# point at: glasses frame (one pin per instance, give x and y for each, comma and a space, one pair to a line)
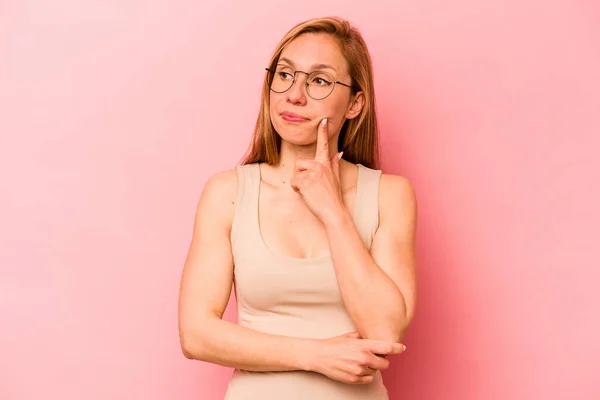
273, 71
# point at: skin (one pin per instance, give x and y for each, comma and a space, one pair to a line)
309, 196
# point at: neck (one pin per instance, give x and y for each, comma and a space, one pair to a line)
289, 153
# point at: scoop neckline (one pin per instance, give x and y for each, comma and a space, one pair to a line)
302, 260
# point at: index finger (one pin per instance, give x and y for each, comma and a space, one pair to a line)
381, 347
322, 153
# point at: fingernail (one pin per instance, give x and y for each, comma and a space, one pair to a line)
324, 121
403, 347
340, 155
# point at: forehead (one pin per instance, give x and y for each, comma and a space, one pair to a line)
309, 49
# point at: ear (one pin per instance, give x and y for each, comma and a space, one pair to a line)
356, 104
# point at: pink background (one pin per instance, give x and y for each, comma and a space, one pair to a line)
114, 113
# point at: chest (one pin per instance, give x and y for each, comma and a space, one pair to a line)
288, 227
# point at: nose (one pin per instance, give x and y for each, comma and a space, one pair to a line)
297, 93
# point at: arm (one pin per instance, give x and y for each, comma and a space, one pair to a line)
379, 288
205, 289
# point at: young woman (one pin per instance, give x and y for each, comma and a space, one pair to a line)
319, 247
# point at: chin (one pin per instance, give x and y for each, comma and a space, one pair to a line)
298, 140
297, 135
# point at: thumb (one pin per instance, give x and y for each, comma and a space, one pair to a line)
353, 335
335, 164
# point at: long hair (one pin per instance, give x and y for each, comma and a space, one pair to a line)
358, 137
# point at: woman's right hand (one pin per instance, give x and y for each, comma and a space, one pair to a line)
348, 358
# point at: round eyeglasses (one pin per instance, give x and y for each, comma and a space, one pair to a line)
319, 84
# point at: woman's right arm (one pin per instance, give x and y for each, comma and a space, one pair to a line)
206, 284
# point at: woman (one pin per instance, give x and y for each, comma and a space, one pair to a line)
320, 248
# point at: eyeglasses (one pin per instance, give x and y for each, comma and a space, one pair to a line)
319, 84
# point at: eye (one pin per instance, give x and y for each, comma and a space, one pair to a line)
284, 75
321, 80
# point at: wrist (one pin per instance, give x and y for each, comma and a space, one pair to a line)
307, 354
338, 219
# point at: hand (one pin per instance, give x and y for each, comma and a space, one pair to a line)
350, 359
318, 180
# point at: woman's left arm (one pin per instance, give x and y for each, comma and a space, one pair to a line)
379, 287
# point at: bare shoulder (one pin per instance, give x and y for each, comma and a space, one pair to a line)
222, 183
219, 196
397, 197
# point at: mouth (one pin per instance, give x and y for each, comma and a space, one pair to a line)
291, 117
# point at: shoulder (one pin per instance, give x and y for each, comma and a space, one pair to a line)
397, 197
222, 184
218, 197
396, 186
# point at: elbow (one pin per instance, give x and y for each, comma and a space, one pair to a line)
187, 349
386, 335
392, 328
191, 346
187, 352
398, 334
195, 337
394, 334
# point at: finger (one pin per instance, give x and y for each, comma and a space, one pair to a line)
335, 164
369, 371
295, 183
377, 363
350, 335
322, 153
361, 380
302, 165
356, 379
381, 347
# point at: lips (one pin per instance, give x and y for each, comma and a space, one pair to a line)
290, 116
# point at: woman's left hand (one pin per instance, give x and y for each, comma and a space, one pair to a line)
318, 180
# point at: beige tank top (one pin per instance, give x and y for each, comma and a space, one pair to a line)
297, 297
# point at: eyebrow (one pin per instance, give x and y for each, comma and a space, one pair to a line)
314, 66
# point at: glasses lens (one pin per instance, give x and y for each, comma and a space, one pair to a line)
320, 85
282, 79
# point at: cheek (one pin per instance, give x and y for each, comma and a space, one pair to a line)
272, 108
274, 103
336, 110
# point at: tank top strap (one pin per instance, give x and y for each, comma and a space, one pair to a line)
366, 208
246, 206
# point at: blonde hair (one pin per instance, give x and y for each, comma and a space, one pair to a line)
359, 136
